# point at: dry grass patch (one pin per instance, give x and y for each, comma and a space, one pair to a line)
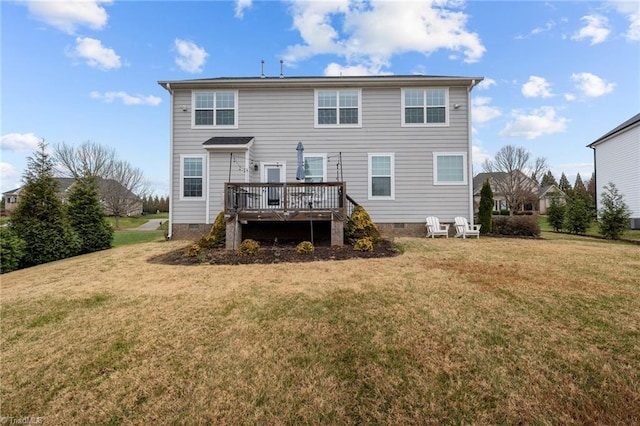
479, 331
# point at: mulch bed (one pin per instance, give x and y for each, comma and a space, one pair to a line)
275, 254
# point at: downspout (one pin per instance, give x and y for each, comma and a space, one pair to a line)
470, 153
595, 180
171, 183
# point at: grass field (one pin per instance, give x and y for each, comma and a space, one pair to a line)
489, 331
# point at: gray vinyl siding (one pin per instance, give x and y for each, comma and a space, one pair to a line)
279, 118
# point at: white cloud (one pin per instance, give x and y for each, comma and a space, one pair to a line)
479, 155
482, 111
486, 83
372, 32
536, 87
597, 29
241, 5
8, 177
19, 142
95, 54
542, 121
569, 97
631, 9
69, 14
337, 70
126, 98
191, 58
591, 85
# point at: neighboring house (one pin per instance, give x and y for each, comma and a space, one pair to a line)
400, 146
616, 159
537, 200
107, 188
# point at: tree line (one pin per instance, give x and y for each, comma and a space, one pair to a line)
42, 228
572, 210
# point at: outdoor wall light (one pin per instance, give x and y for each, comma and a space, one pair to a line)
255, 167
184, 108
456, 106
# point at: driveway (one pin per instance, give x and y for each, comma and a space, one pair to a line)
151, 225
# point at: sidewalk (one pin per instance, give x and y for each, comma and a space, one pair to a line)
151, 225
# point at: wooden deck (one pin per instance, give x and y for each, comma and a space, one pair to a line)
282, 202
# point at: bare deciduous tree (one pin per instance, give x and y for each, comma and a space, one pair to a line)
121, 185
515, 175
88, 159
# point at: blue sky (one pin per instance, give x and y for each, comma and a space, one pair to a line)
558, 74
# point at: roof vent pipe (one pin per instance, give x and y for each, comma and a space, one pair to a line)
262, 69
281, 73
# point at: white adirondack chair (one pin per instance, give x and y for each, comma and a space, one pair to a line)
463, 229
435, 228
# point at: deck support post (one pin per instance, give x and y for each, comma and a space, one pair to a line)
233, 232
337, 232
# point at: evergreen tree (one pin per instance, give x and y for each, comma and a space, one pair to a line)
86, 216
485, 209
548, 179
577, 217
564, 185
11, 250
39, 219
579, 190
555, 213
614, 214
591, 188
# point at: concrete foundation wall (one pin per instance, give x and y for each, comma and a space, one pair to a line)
388, 230
189, 231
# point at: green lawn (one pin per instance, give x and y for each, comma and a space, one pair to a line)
128, 235
593, 230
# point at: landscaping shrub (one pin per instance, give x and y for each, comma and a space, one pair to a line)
525, 226
363, 244
555, 214
485, 208
305, 247
614, 214
576, 216
217, 235
11, 250
249, 247
194, 250
360, 225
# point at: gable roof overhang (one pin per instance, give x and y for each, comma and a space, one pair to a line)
319, 82
228, 143
632, 122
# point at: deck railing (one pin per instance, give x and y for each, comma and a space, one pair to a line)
264, 197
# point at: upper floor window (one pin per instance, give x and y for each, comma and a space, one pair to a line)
449, 168
215, 109
381, 176
425, 107
338, 108
315, 168
192, 176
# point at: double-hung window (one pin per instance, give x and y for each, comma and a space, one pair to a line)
192, 169
449, 168
381, 176
338, 108
425, 107
315, 168
215, 109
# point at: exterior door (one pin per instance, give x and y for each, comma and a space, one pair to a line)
274, 173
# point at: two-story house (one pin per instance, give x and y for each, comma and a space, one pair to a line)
400, 146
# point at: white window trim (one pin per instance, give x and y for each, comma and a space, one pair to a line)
324, 163
282, 165
205, 168
424, 89
393, 176
215, 126
465, 178
336, 126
